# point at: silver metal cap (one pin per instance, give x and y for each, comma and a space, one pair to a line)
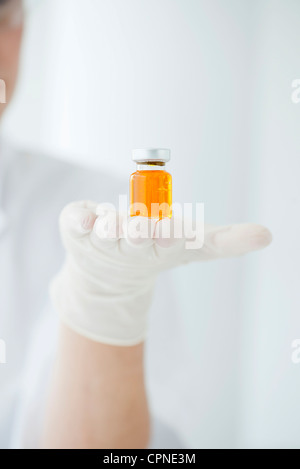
141, 155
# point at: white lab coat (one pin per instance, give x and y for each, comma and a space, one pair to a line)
33, 190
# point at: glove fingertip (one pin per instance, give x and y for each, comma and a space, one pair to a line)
259, 237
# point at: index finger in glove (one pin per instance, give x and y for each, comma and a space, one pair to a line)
230, 241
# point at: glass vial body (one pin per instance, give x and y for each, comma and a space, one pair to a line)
151, 190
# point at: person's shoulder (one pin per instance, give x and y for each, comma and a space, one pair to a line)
64, 181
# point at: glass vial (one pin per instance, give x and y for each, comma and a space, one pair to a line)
151, 184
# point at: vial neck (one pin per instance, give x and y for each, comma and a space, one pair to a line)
151, 166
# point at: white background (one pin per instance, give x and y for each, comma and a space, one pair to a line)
211, 79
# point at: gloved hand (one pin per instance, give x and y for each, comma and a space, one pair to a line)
105, 287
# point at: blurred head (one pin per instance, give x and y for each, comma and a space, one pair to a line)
11, 24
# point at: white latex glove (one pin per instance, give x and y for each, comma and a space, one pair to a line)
105, 287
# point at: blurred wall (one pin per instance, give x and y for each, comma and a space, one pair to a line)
212, 81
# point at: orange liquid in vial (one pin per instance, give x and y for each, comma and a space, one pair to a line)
151, 194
